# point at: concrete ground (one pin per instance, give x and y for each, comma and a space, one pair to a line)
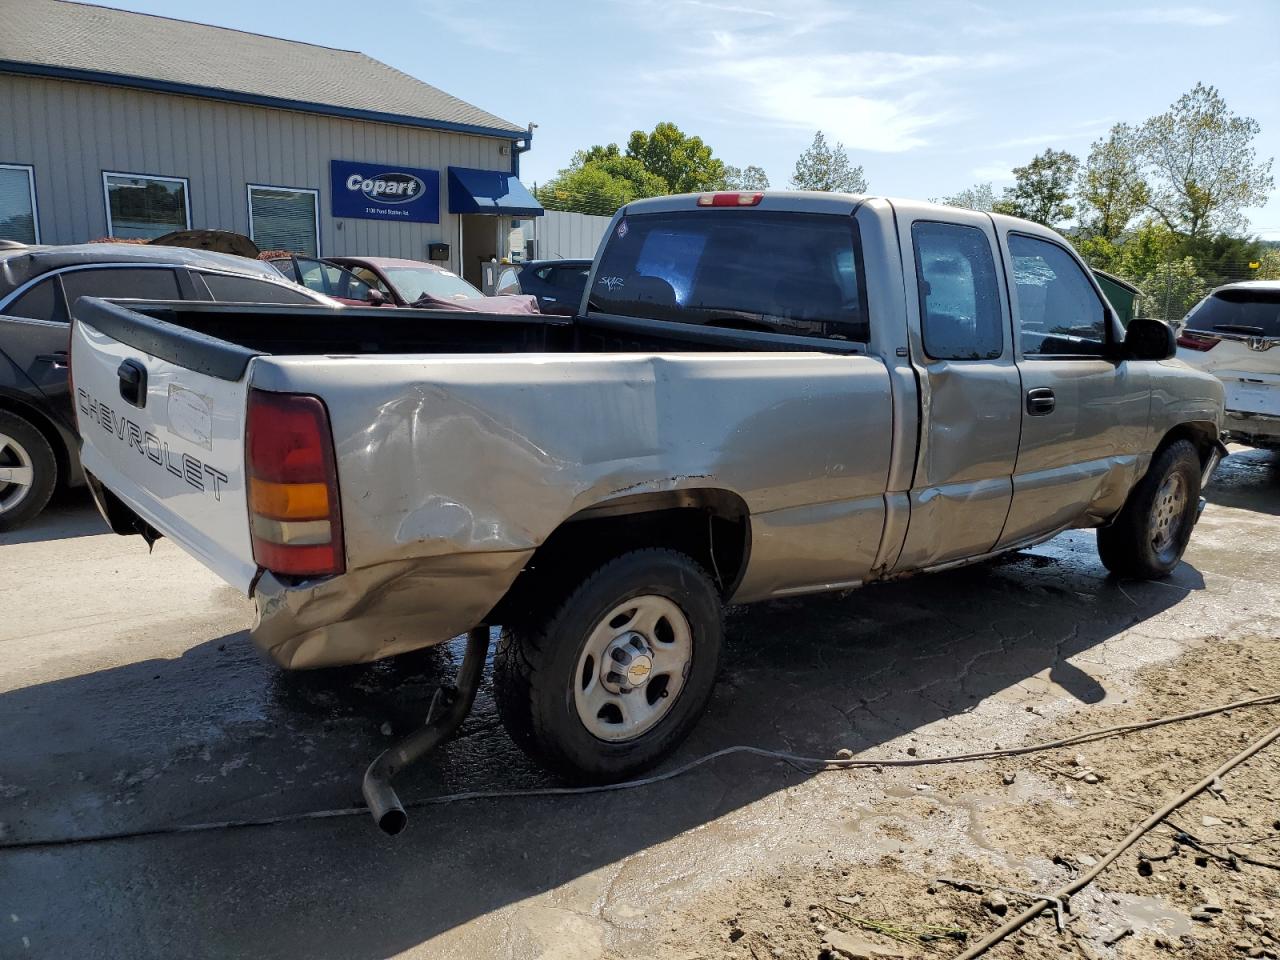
131, 698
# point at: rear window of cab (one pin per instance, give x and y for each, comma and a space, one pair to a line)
774, 272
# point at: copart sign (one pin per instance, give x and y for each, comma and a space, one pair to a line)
374, 191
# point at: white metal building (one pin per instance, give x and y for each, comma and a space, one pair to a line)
131, 125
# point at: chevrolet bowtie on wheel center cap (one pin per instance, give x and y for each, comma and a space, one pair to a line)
633, 668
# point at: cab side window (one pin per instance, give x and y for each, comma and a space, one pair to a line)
1059, 312
959, 297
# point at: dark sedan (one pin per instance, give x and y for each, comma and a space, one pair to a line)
38, 288
558, 284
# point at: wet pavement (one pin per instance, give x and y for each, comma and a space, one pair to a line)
130, 698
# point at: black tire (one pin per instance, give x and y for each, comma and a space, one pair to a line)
1135, 545
537, 665
23, 445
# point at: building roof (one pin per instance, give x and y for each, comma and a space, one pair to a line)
80, 41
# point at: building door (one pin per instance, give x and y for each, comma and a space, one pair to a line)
480, 244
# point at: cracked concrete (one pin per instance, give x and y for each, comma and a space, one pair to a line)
130, 697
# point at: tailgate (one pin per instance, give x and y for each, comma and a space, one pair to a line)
1249, 392
161, 414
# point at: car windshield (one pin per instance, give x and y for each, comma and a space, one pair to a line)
1250, 312
414, 283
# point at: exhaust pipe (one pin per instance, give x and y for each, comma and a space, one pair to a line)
449, 707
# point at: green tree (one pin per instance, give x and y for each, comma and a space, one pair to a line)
821, 167
980, 197
1110, 188
602, 178
745, 178
1202, 165
1042, 189
1172, 289
1268, 265
684, 163
599, 181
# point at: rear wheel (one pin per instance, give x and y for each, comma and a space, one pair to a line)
614, 677
28, 470
1148, 537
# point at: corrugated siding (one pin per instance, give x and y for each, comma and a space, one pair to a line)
71, 132
569, 236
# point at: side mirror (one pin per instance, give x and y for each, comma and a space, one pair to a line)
376, 297
1149, 339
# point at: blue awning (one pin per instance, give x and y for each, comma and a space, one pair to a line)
490, 191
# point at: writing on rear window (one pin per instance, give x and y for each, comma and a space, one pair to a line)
196, 473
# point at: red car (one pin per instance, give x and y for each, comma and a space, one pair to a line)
418, 284
327, 278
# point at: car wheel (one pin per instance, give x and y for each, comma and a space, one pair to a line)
618, 673
28, 470
1149, 535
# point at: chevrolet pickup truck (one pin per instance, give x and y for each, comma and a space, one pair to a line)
761, 396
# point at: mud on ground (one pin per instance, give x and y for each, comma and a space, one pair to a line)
922, 863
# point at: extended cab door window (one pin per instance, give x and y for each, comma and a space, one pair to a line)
1059, 312
960, 316
765, 271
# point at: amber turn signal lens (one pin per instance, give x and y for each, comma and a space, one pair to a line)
289, 501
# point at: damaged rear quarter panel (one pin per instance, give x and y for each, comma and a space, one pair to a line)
457, 455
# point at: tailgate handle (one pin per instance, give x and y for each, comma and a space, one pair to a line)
133, 382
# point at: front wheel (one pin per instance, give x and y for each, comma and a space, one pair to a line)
1147, 539
612, 679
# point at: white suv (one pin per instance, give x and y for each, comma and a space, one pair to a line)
1234, 333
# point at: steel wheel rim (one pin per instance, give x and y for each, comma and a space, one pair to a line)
1167, 512
619, 699
16, 473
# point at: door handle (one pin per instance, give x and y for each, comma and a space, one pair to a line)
1040, 401
133, 382
57, 360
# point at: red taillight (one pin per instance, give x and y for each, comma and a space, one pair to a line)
294, 513
1202, 342
730, 199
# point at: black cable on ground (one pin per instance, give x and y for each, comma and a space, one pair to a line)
816, 764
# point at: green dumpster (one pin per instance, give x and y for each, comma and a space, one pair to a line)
1122, 294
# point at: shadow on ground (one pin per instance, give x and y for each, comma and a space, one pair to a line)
70, 513
219, 734
1249, 480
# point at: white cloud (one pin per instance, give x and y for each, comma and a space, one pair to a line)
998, 171
1173, 16
749, 66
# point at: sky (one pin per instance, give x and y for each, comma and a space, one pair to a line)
929, 97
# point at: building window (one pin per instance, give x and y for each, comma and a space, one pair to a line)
18, 204
284, 218
145, 206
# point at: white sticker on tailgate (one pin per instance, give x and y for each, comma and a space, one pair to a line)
190, 416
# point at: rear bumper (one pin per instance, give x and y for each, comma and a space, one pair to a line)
1254, 429
375, 612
